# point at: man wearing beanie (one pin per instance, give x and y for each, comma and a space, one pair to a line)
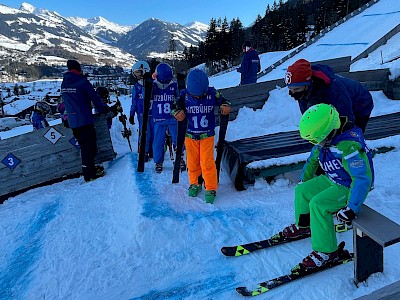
313, 84
250, 64
78, 95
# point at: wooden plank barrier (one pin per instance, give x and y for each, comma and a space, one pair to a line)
45, 155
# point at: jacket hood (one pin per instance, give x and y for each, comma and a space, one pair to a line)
72, 77
323, 72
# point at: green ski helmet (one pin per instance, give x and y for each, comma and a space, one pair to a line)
318, 121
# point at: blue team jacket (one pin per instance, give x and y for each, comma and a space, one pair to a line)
249, 67
349, 97
78, 95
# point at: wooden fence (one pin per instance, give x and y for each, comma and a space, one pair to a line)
46, 155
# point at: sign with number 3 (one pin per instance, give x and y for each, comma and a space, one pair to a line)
11, 161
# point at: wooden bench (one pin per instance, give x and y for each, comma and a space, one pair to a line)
371, 233
239, 156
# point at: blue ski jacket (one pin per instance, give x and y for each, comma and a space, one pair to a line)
163, 96
200, 111
38, 120
250, 67
349, 97
347, 161
78, 95
137, 100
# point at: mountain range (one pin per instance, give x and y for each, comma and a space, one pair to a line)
38, 35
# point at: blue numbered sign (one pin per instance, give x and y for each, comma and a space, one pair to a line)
11, 161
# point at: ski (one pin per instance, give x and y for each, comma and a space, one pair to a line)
168, 145
180, 140
298, 272
275, 240
148, 84
179, 150
127, 132
223, 125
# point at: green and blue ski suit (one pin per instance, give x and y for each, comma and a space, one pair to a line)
348, 178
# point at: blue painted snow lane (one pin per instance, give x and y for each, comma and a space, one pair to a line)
201, 289
155, 204
344, 44
16, 275
382, 14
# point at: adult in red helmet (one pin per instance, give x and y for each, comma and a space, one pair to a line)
313, 84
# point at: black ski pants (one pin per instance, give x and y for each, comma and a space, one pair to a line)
86, 137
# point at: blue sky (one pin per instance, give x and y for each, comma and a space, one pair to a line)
129, 12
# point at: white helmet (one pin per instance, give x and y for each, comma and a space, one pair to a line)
141, 65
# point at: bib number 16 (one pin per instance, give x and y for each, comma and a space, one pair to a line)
203, 122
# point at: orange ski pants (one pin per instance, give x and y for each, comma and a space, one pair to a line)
200, 161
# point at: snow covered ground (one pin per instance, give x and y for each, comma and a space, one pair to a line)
137, 236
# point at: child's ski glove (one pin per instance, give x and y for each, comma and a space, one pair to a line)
225, 109
346, 215
179, 115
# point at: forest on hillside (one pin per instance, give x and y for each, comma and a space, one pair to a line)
285, 25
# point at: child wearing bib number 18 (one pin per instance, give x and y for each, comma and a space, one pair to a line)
196, 103
163, 95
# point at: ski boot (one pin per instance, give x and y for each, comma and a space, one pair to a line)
99, 169
318, 260
159, 168
210, 196
292, 232
194, 190
98, 172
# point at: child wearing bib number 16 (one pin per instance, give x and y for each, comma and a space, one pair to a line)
196, 103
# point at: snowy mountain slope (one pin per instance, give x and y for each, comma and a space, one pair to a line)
386, 56
138, 43
104, 30
31, 32
350, 38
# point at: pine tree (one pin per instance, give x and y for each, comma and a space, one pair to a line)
211, 40
256, 31
226, 40
237, 38
172, 48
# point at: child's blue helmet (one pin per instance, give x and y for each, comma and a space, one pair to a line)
197, 83
164, 73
